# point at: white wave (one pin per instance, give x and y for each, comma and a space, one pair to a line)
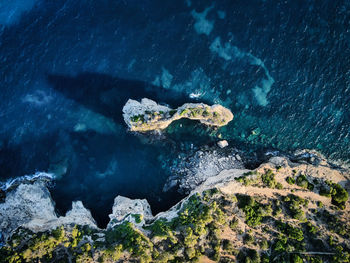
195, 95
38, 98
26, 178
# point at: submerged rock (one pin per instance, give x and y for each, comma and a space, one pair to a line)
147, 115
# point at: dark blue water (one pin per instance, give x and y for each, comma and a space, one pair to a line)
68, 67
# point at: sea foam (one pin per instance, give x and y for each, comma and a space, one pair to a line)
26, 178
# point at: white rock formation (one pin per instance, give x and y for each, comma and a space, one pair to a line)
222, 144
147, 115
192, 171
125, 209
31, 206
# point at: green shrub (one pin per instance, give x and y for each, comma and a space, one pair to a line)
254, 211
248, 239
132, 240
264, 244
233, 223
338, 194
248, 255
138, 218
172, 112
319, 204
268, 179
302, 181
137, 118
228, 247
296, 259
290, 231
295, 204
290, 180
161, 228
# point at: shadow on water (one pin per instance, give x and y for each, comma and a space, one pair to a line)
123, 163
26, 158
101, 166
98, 168
109, 165
107, 95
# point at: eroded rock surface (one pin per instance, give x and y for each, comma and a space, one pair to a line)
31, 206
147, 115
192, 171
132, 210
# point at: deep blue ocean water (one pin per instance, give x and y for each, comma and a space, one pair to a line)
68, 67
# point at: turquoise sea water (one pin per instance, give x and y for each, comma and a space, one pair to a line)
67, 68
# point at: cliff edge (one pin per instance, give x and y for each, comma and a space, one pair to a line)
282, 211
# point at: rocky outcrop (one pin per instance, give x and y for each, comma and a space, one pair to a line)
147, 115
31, 206
192, 171
222, 144
132, 210
212, 207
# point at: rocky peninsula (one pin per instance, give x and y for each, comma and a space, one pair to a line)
147, 115
282, 211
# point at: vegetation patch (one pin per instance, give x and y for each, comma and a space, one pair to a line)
138, 118
335, 191
209, 224
253, 210
303, 182
295, 205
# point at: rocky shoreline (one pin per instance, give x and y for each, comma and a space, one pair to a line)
29, 206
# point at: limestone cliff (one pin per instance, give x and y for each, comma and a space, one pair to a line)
227, 217
147, 115
31, 206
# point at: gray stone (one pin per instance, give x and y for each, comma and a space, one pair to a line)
222, 144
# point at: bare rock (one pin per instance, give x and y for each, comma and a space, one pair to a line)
31, 206
129, 209
26, 203
190, 172
222, 144
147, 115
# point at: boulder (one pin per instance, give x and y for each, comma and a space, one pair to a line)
222, 144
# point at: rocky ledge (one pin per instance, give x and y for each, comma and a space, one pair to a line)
147, 115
